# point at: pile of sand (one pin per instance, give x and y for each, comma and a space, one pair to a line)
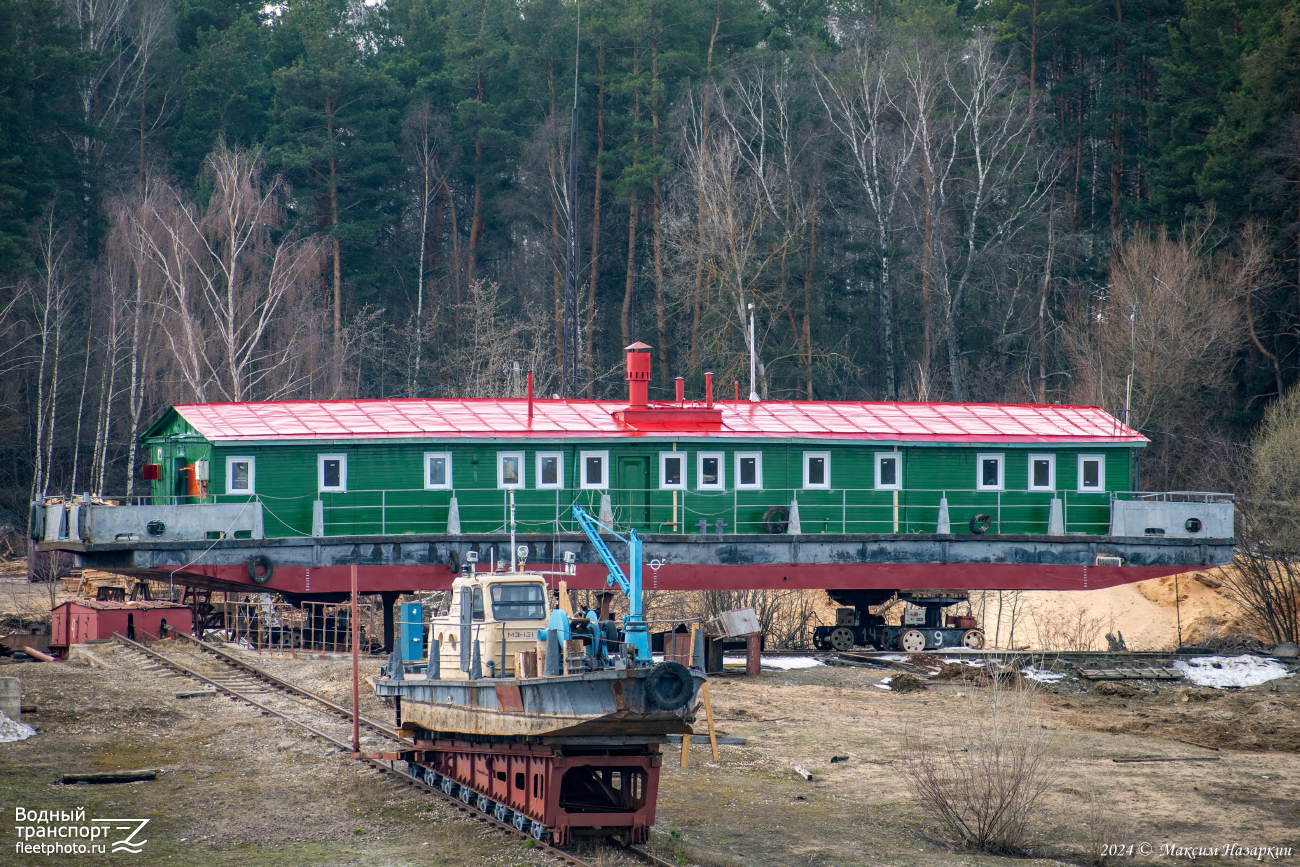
1146, 613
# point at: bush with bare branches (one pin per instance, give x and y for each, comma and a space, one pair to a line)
785, 617
1266, 584
1265, 580
1069, 629
985, 772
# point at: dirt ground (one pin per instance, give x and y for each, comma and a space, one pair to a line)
241, 787
237, 786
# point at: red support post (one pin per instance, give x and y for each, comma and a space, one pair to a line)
753, 654
356, 639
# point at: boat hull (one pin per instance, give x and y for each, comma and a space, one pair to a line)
606, 703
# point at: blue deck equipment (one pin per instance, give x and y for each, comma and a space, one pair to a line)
634, 626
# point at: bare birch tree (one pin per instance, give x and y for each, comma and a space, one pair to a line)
858, 93
132, 287
425, 136
51, 302
759, 105
123, 36
732, 212
1004, 183
227, 279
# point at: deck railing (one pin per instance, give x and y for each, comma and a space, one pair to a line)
820, 511
836, 510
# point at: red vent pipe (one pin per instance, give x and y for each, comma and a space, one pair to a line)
681, 390
708, 390
638, 374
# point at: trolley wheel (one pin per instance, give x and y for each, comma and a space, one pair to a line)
467, 794
912, 641
973, 638
842, 638
502, 813
521, 822
539, 832
484, 803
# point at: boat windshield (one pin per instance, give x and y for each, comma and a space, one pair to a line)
518, 602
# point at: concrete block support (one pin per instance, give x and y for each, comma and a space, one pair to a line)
11, 697
1056, 518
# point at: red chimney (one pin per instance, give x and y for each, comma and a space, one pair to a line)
638, 374
681, 390
708, 390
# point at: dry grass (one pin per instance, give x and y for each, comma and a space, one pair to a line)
1069, 629
787, 617
1103, 831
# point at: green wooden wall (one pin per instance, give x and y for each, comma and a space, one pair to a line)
386, 495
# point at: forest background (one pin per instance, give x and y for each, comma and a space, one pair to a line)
1055, 201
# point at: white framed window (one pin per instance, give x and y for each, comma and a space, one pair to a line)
510, 469
817, 470
241, 475
989, 475
672, 471
889, 471
437, 471
550, 470
709, 471
1042, 472
594, 470
749, 471
1092, 473
332, 473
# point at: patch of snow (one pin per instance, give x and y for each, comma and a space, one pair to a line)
884, 684
1222, 672
12, 730
785, 663
1041, 676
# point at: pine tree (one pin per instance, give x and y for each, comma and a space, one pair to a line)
334, 132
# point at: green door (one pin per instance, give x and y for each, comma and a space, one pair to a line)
632, 492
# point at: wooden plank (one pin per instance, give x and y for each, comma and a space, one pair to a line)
708, 715
1130, 759
111, 777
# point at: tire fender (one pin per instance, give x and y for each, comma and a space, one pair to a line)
669, 686
263, 562
776, 520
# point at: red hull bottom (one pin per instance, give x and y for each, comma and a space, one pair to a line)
856, 576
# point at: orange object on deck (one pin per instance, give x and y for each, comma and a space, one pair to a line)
192, 488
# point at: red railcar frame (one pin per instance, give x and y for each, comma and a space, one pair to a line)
566, 788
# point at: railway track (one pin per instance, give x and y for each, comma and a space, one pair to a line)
332, 723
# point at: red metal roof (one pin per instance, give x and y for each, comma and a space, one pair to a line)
587, 419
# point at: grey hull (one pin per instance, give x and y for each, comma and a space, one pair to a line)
599, 703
